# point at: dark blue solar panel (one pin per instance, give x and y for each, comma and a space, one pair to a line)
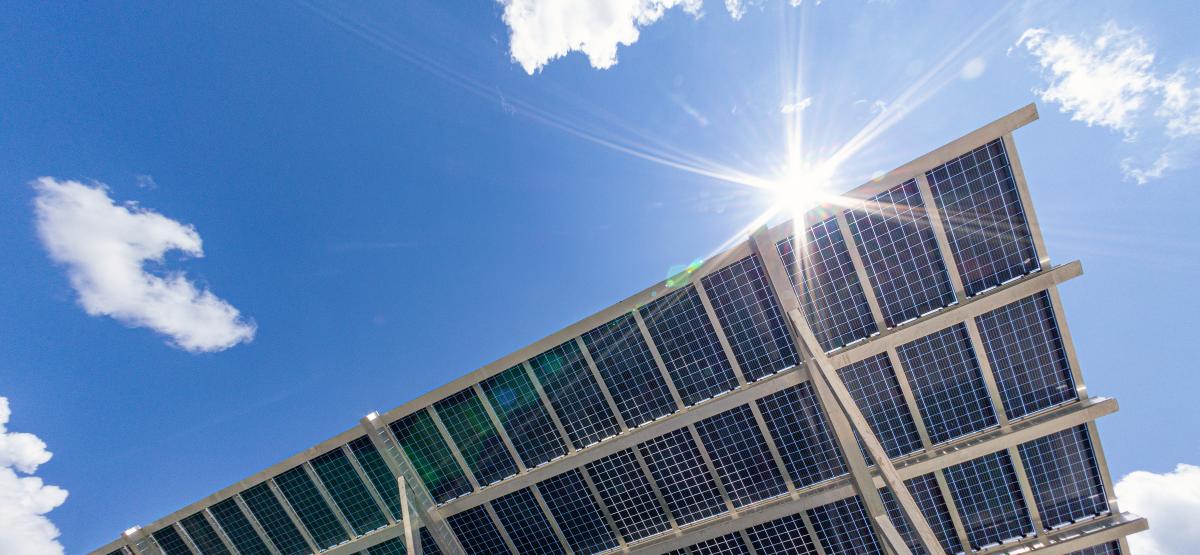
348, 492
477, 440
1110, 548
1026, 351
681, 475
985, 223
925, 492
795, 419
203, 535
527, 527
833, 299
394, 546
238, 528
430, 456
577, 514
477, 533
310, 507
782, 536
729, 544
873, 385
274, 520
948, 384
844, 528
427, 544
900, 253
749, 313
524, 417
627, 493
688, 345
628, 368
170, 542
1064, 477
572, 390
989, 500
740, 455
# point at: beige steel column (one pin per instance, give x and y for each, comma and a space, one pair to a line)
412, 538
1031, 219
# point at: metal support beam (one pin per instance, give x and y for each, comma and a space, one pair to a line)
558, 425
187, 538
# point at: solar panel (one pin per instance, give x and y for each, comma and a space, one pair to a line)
795, 419
348, 492
783, 536
521, 412
238, 528
740, 456
577, 513
203, 535
676, 465
1025, 348
628, 495
275, 522
170, 542
314, 514
844, 529
989, 500
928, 496
468, 424
627, 366
948, 384
477, 533
431, 456
872, 384
689, 347
528, 528
750, 316
573, 393
1064, 477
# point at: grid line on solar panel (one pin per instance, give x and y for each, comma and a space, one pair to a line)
825, 281
628, 495
627, 366
746, 307
948, 384
378, 473
740, 456
1026, 352
875, 390
989, 500
577, 513
802, 435
521, 516
782, 536
314, 514
477, 440
521, 412
427, 544
843, 528
203, 535
682, 477
430, 456
348, 492
477, 533
238, 528
394, 546
983, 217
170, 542
574, 394
680, 328
729, 544
932, 505
274, 520
900, 253
1064, 476
1110, 548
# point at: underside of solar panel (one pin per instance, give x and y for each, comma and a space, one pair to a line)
890, 373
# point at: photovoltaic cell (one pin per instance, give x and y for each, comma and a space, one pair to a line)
1026, 351
740, 455
378, 473
238, 528
427, 544
825, 281
348, 492
783, 536
275, 522
989, 500
203, 535
430, 456
572, 390
681, 475
729, 544
984, 220
1110, 548
1064, 477
680, 329
477, 533
523, 416
472, 431
794, 418
314, 514
627, 366
577, 513
948, 384
528, 528
627, 494
169, 541
749, 313
844, 529
394, 546
900, 253
925, 492
873, 385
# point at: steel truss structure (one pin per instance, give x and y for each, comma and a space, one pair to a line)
892, 375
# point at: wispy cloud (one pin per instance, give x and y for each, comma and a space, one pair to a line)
1112, 80
25, 500
1170, 501
105, 248
797, 106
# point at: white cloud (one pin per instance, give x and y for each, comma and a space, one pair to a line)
24, 500
542, 30
1170, 502
1181, 105
797, 106
973, 69
1143, 176
106, 246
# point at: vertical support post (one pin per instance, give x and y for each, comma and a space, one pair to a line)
406, 515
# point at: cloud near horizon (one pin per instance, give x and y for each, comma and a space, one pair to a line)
106, 247
25, 500
1170, 501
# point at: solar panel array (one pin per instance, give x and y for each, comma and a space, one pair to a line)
496, 456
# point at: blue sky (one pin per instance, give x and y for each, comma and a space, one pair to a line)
391, 200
